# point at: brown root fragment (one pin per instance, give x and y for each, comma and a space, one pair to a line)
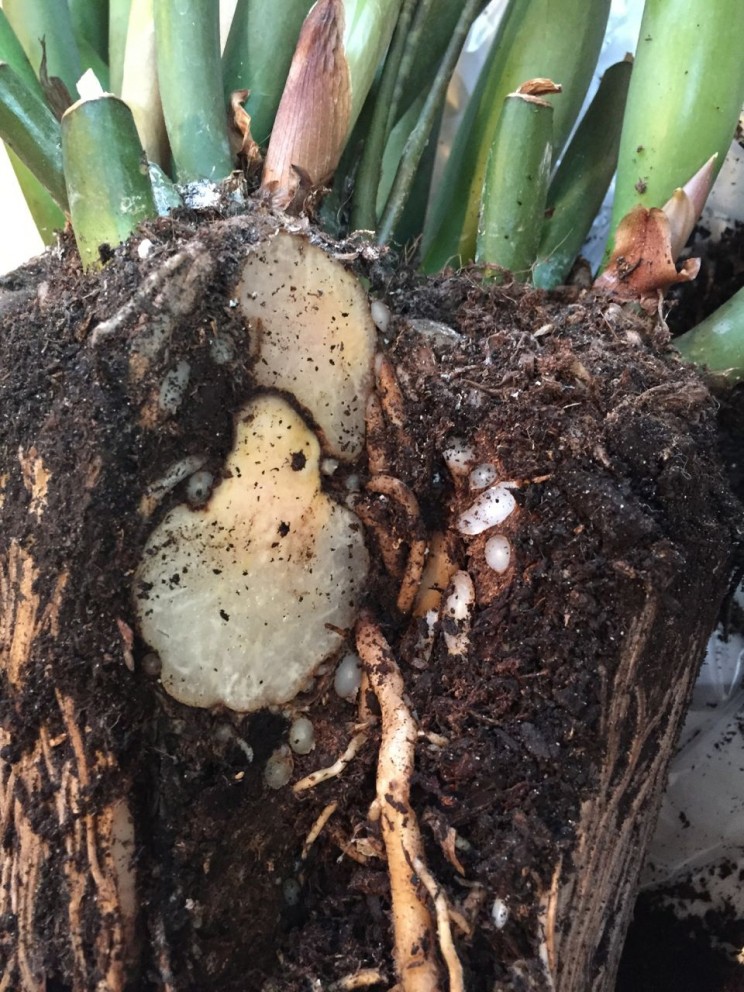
438, 571
412, 923
390, 393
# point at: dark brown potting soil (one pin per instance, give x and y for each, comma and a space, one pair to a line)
614, 446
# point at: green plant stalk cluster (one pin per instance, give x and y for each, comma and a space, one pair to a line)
257, 56
536, 38
424, 32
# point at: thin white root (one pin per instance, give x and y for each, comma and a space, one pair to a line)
323, 774
412, 923
316, 829
444, 931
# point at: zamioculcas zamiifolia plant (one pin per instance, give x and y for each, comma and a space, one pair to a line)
352, 583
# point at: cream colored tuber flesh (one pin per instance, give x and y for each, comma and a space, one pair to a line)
312, 335
244, 598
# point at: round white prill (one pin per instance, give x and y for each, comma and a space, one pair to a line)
460, 600
482, 476
199, 487
458, 456
499, 913
498, 553
490, 509
348, 676
279, 768
380, 315
302, 736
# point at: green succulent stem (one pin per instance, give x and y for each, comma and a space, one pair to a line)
12, 52
717, 343
516, 185
119, 11
45, 213
47, 21
430, 34
187, 36
364, 214
419, 138
107, 175
90, 21
368, 28
582, 179
258, 54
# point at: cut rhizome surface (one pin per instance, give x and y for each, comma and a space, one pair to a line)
601, 446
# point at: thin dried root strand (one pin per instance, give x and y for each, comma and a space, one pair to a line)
359, 849
332, 771
317, 828
444, 931
412, 923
